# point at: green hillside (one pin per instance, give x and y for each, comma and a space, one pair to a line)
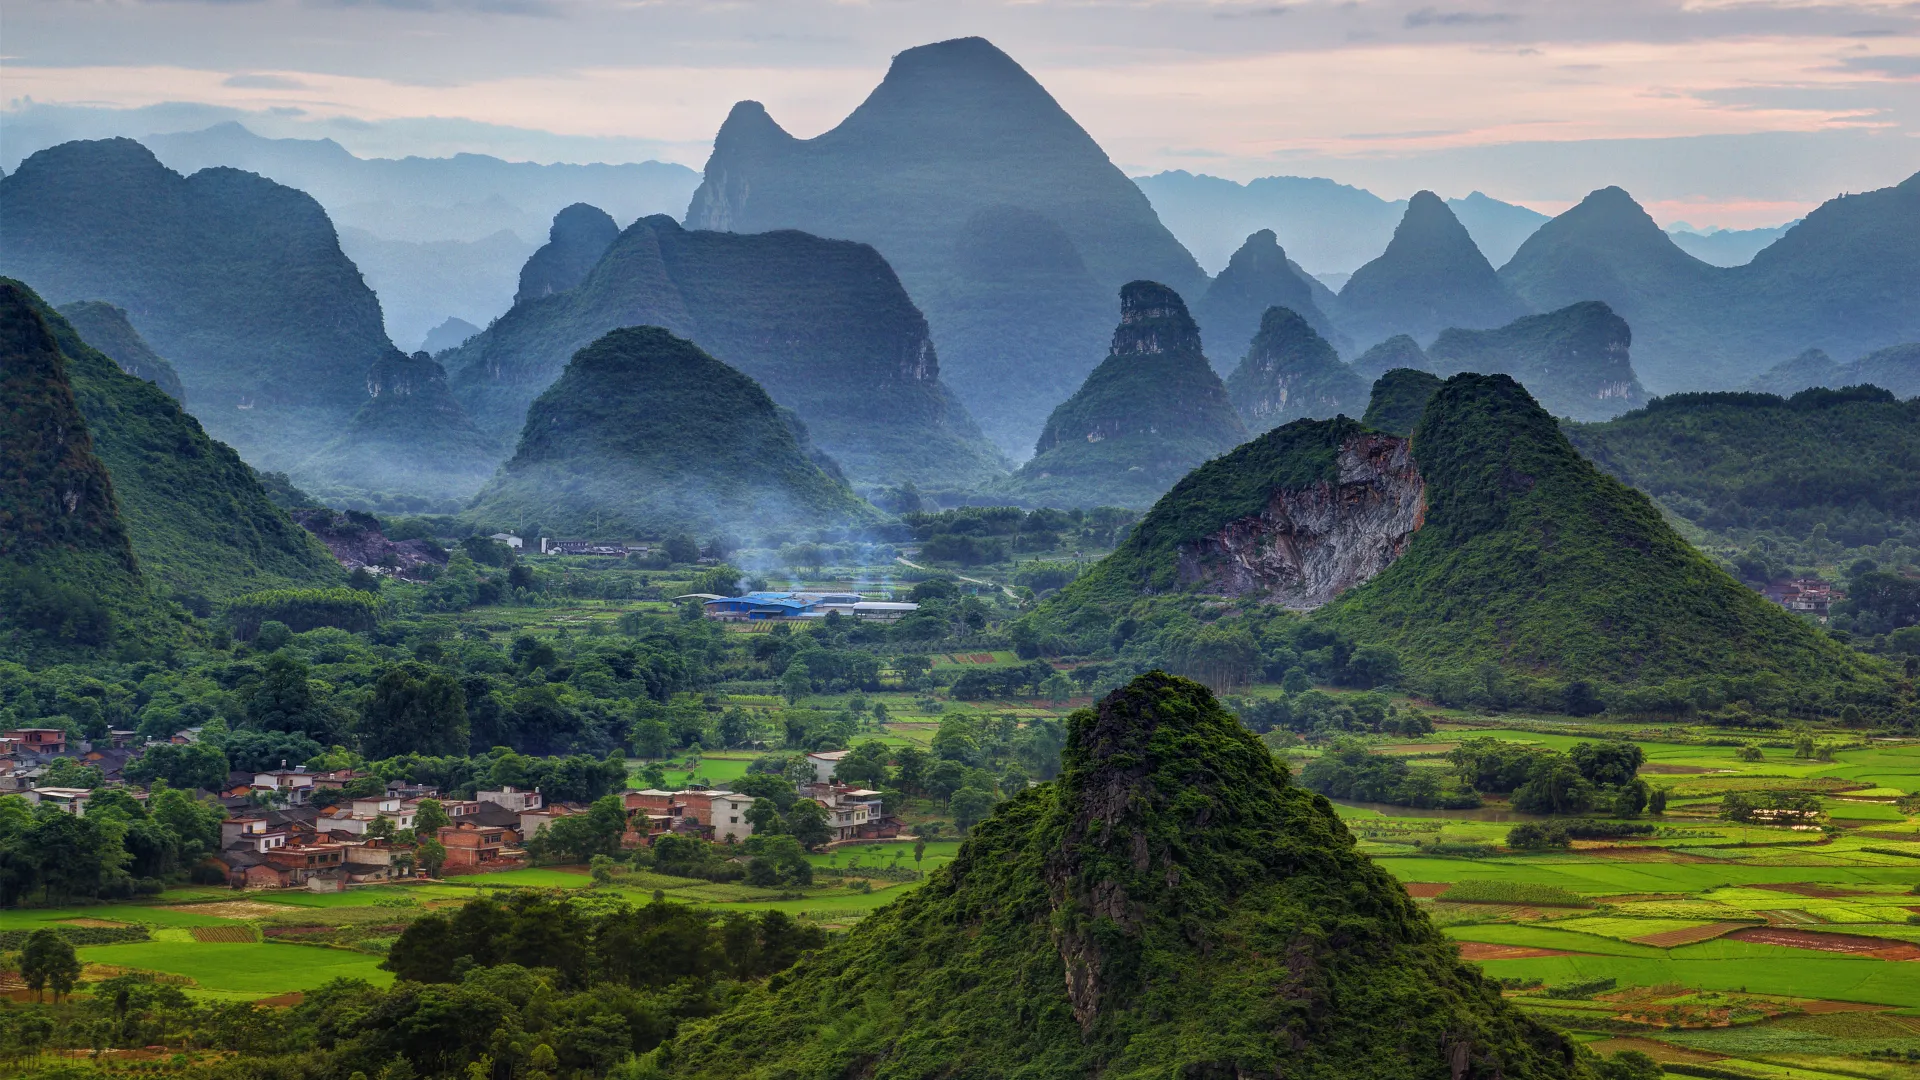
106, 328
198, 518
1150, 412
1291, 373
1534, 560
1258, 278
1399, 397
643, 434
1172, 906
1748, 465
69, 582
1398, 351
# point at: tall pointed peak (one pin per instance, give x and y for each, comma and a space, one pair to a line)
1429, 218
1260, 251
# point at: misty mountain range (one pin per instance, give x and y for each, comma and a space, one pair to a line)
989, 235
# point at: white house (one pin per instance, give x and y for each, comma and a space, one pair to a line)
824, 763
513, 799
509, 539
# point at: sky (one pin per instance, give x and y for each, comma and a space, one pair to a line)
1728, 113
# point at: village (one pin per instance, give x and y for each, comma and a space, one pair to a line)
295, 828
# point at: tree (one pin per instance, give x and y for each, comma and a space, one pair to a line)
194, 765
49, 961
70, 773
865, 764
430, 817
414, 709
432, 855
796, 682
807, 822
764, 816
1538, 835
1657, 800
285, 701
970, 806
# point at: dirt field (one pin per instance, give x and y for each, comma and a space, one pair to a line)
1851, 944
235, 909
1421, 890
222, 933
1481, 950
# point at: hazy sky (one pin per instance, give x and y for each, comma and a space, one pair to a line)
1721, 112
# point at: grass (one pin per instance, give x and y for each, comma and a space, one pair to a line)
241, 971
1787, 972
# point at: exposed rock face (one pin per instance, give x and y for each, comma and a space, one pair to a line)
579, 236
106, 328
1290, 373
356, 541
1312, 543
1431, 276
1574, 361
1259, 277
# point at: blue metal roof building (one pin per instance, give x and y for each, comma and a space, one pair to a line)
764, 605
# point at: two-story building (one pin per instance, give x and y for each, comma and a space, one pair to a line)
720, 815
37, 740
472, 848
67, 799
512, 798
295, 785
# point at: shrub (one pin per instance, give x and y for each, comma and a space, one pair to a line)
302, 610
1533, 835
1586, 988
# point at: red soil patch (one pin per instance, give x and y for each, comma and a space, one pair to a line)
283, 1001
295, 931
90, 922
1426, 889
1688, 936
1483, 950
1850, 944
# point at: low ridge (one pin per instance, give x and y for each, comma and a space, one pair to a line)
1574, 361
106, 328
1258, 277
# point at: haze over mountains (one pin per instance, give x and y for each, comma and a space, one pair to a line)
955, 128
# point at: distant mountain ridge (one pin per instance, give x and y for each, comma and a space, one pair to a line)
1327, 226
954, 128
823, 325
238, 281
1431, 277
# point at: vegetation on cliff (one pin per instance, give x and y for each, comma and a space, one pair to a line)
1291, 373
646, 434
1803, 477
106, 328
1399, 397
1150, 412
1171, 905
199, 519
238, 281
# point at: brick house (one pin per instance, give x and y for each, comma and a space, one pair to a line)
475, 848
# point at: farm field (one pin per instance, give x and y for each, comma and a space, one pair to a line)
1750, 950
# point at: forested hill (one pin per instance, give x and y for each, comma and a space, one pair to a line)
644, 434
69, 582
1740, 464
1533, 559
199, 521
1124, 921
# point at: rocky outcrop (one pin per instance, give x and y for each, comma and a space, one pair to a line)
1312, 543
356, 541
580, 234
